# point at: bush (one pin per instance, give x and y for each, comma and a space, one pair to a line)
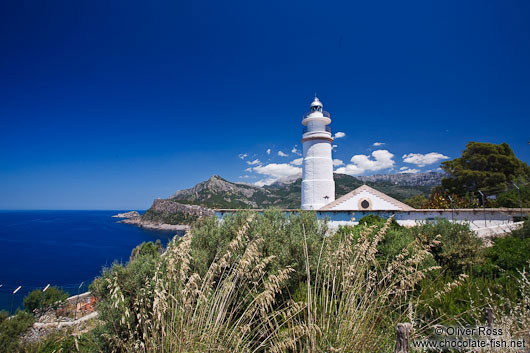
511, 198
523, 232
417, 201
51, 298
12, 328
283, 237
507, 256
131, 278
146, 248
459, 248
66, 340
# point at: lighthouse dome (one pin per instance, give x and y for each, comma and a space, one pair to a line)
316, 103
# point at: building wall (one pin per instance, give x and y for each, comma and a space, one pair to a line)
475, 218
317, 174
376, 202
478, 219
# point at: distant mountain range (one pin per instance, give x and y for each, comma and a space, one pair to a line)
217, 192
419, 179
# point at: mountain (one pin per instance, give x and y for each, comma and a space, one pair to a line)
217, 192
408, 179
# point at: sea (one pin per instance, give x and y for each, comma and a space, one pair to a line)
67, 249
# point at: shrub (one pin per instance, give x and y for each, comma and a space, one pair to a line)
459, 248
283, 237
508, 255
523, 232
131, 278
11, 329
146, 248
51, 298
417, 201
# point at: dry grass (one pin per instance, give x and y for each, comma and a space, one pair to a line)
353, 299
232, 308
350, 303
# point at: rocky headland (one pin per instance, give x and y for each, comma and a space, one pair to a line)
165, 215
130, 214
137, 221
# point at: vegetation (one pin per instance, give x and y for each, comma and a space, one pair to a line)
491, 169
244, 298
11, 329
276, 283
51, 298
508, 255
147, 249
168, 218
441, 200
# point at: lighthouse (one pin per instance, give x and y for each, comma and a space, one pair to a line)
318, 186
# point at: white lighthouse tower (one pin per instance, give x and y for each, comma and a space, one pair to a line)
318, 186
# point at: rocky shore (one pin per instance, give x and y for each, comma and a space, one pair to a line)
130, 214
153, 225
165, 215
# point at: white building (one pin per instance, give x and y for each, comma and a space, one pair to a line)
318, 186
365, 198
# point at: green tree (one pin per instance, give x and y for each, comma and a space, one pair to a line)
515, 198
51, 298
418, 201
483, 166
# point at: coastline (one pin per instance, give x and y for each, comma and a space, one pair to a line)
137, 221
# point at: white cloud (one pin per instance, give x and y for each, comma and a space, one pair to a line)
339, 135
295, 151
382, 159
266, 181
376, 144
281, 154
421, 160
274, 171
337, 162
242, 155
334, 147
407, 170
268, 151
248, 170
297, 161
254, 162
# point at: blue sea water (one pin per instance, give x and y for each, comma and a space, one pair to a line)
62, 248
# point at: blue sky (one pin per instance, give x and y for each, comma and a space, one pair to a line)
108, 105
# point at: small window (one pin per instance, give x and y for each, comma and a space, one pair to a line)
365, 204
